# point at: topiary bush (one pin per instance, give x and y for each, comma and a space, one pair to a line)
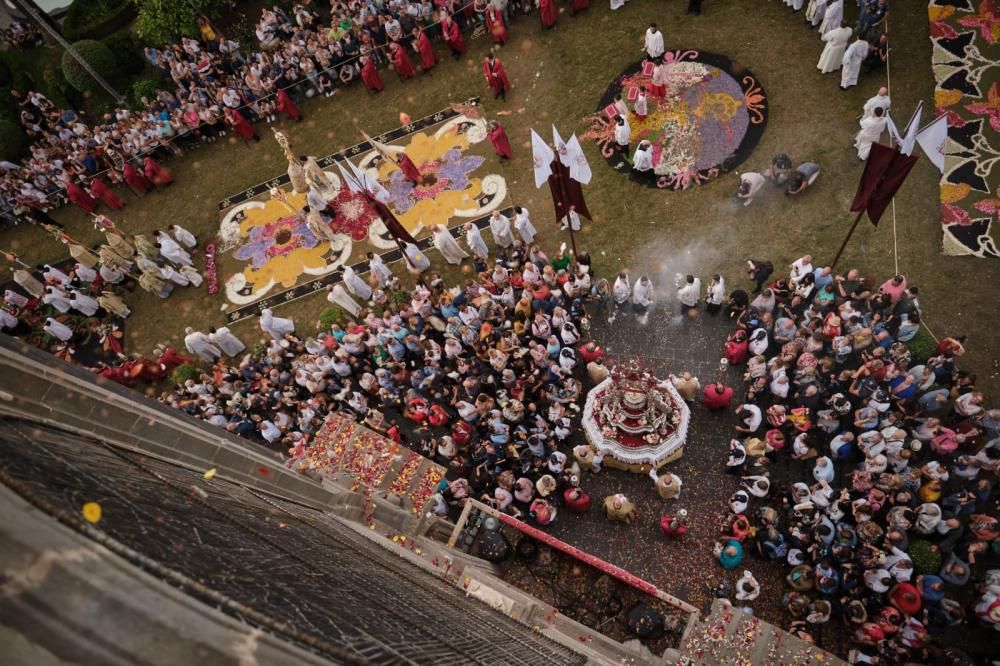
147, 88
98, 56
13, 141
182, 373
127, 52
921, 347
332, 315
93, 19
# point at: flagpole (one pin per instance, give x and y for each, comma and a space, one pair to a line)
850, 232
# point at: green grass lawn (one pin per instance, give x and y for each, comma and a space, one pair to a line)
559, 76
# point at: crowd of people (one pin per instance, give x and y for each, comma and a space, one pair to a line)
217, 85
887, 517
22, 35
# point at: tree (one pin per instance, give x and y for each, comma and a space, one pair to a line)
162, 21
98, 56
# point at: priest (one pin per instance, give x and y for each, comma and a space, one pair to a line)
447, 246
833, 53
496, 77
851, 61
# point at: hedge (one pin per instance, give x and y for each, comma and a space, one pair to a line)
97, 56
13, 141
128, 55
921, 347
147, 88
332, 315
94, 19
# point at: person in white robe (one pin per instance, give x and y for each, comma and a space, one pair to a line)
356, 285
297, 177
183, 236
191, 274
225, 340
522, 224
416, 259
620, 294
29, 282
145, 264
815, 12
84, 273
688, 290
378, 268
171, 250
83, 303
573, 222
276, 327
642, 298
338, 296
652, 44
53, 274
171, 274
851, 61
14, 298
447, 245
7, 320
881, 100
871, 131
57, 329
200, 345
623, 134
111, 274
500, 226
617, 4
641, 107
832, 17
57, 298
715, 296
643, 158
796, 5
830, 60
114, 304
474, 239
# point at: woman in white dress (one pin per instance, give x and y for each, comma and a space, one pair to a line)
474, 239
226, 341
500, 226
356, 285
417, 260
522, 224
447, 246
339, 297
276, 327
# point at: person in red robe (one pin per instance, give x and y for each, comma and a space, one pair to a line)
135, 179
102, 191
548, 12
80, 197
453, 37
241, 125
401, 62
717, 397
426, 50
409, 169
579, 6
496, 77
494, 21
286, 104
157, 174
498, 137
171, 358
370, 77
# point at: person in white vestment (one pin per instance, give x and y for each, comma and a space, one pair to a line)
338, 296
356, 285
183, 236
447, 245
642, 298
7, 320
871, 131
797, 5
715, 296
53, 274
276, 327
522, 224
620, 294
418, 261
623, 134
57, 329
881, 100
688, 291
500, 226
83, 303
617, 4
652, 44
226, 341
111, 274
171, 274
851, 61
815, 12
830, 60
171, 250
84, 273
641, 107
474, 239
573, 221
200, 345
14, 298
643, 158
191, 275
378, 268
833, 17
57, 298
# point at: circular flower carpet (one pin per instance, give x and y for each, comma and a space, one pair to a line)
704, 118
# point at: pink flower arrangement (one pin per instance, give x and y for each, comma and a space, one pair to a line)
211, 269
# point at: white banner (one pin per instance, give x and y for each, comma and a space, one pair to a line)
934, 140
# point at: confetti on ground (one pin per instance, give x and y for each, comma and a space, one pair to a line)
92, 512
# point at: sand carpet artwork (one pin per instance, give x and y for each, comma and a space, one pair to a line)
266, 236
703, 120
966, 62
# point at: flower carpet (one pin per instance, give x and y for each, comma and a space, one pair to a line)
709, 117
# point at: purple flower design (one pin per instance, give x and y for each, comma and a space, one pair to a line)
276, 239
451, 172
